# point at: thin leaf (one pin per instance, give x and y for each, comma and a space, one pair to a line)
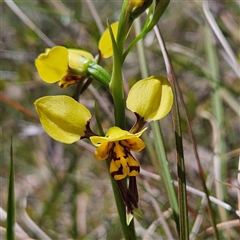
174, 81
163, 168
10, 234
219, 148
182, 194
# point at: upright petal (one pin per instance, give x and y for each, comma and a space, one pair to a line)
105, 43
134, 144
63, 118
151, 98
53, 65
102, 151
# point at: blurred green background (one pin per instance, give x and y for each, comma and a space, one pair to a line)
61, 190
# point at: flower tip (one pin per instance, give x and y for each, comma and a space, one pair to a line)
138, 212
129, 218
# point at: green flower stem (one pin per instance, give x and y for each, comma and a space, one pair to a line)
124, 26
129, 232
116, 86
10, 234
98, 73
150, 23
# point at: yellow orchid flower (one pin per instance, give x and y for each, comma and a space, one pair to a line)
118, 144
68, 66
62, 64
63, 118
66, 120
150, 98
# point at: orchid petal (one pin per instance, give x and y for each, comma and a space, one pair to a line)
79, 59
105, 43
114, 134
63, 118
151, 98
53, 65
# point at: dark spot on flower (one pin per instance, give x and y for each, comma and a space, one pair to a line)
125, 150
118, 172
115, 157
134, 168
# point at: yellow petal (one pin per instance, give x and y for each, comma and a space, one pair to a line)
53, 65
123, 163
114, 134
134, 144
102, 151
118, 166
134, 168
116, 170
79, 59
63, 118
137, 3
151, 98
105, 43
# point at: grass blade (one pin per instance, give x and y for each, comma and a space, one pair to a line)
182, 194
163, 168
11, 200
219, 163
172, 78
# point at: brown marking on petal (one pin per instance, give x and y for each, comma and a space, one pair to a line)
88, 132
118, 172
126, 153
115, 157
125, 149
134, 168
113, 154
139, 124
